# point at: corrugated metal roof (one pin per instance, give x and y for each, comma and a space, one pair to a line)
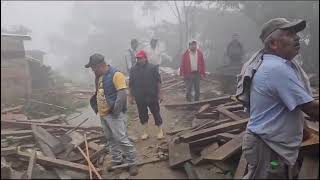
17, 36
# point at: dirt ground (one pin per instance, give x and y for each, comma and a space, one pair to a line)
146, 149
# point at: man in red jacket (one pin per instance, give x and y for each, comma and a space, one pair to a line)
192, 69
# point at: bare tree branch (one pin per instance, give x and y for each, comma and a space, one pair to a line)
172, 10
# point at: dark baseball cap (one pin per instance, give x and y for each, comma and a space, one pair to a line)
94, 60
281, 23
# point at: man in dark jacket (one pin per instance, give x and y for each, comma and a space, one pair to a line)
144, 84
110, 102
235, 50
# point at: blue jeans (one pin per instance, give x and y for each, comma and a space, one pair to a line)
116, 134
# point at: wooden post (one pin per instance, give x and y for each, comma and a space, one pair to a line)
87, 149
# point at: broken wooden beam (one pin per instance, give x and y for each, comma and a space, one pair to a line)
47, 151
47, 161
226, 150
8, 151
229, 114
140, 163
204, 153
27, 125
5, 110
173, 85
87, 151
54, 143
213, 130
89, 163
178, 154
212, 102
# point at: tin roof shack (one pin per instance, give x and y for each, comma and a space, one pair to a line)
15, 74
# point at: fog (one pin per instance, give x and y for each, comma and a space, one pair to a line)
69, 32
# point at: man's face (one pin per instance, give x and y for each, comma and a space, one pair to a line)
98, 69
287, 44
141, 61
193, 46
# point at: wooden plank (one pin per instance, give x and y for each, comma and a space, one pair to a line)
173, 85
211, 115
47, 161
207, 150
6, 110
45, 149
229, 114
87, 152
203, 142
175, 131
178, 154
31, 164
8, 151
235, 107
27, 125
96, 154
226, 150
6, 133
140, 163
212, 102
55, 145
213, 130
45, 120
227, 136
241, 169
90, 163
212, 123
309, 168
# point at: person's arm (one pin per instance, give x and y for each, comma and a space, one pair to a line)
311, 109
157, 78
121, 86
120, 101
131, 86
127, 58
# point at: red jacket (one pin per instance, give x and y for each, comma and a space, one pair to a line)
185, 67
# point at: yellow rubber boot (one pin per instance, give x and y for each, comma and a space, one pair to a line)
145, 131
160, 133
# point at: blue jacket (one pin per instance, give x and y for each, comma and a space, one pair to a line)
110, 91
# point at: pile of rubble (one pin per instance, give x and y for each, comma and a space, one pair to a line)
48, 147
212, 149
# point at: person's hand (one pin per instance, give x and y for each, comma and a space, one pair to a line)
202, 77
